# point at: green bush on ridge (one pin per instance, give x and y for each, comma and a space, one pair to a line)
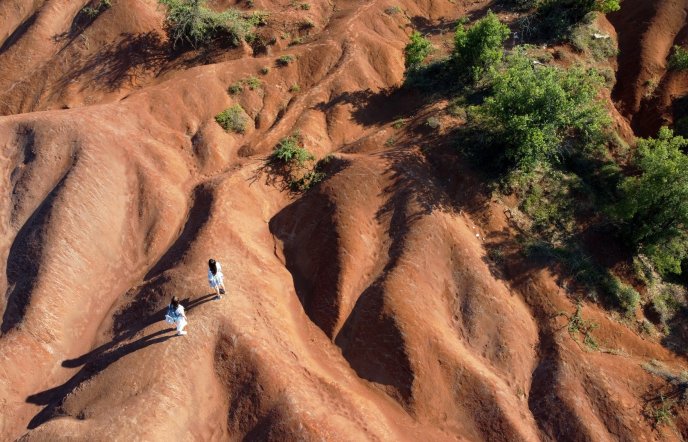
480, 47
191, 22
416, 50
539, 110
654, 206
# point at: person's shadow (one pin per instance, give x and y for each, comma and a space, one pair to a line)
102, 357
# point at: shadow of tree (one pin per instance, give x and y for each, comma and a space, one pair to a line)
122, 62
377, 108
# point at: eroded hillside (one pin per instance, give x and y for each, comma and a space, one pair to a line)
363, 308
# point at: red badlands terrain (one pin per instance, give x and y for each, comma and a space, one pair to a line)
363, 309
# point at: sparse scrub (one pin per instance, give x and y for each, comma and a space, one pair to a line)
295, 89
264, 70
478, 49
392, 10
233, 118
577, 325
399, 123
191, 22
554, 18
586, 38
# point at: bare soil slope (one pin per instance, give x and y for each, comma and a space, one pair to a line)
363, 309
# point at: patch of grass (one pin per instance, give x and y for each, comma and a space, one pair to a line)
233, 118
390, 142
305, 6
264, 70
295, 88
392, 10
296, 41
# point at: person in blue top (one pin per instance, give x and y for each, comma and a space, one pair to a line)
216, 278
176, 315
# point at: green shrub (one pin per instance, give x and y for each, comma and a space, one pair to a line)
678, 59
284, 60
253, 82
479, 48
233, 118
191, 22
290, 150
264, 70
433, 122
536, 109
654, 207
95, 10
623, 294
392, 10
307, 24
235, 88
416, 50
295, 88
258, 18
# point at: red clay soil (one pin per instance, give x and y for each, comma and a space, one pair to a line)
363, 309
646, 88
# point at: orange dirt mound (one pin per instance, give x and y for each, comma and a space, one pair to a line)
364, 308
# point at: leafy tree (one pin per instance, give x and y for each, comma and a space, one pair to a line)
655, 202
191, 22
540, 110
479, 48
416, 50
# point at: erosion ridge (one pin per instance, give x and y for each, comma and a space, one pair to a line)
365, 308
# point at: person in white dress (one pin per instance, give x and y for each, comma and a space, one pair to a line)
176, 315
215, 278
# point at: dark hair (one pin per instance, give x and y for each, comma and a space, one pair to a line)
212, 265
175, 302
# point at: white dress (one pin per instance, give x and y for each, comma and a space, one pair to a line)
217, 279
181, 320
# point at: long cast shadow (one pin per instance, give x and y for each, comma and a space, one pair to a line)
53, 398
131, 331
